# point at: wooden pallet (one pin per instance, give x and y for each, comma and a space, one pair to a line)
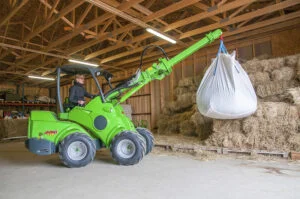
295, 155
222, 150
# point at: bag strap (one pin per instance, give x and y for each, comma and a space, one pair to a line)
222, 49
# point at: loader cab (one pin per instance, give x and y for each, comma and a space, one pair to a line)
70, 70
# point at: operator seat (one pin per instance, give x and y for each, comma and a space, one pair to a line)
68, 106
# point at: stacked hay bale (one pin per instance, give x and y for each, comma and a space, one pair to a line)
274, 126
276, 123
182, 116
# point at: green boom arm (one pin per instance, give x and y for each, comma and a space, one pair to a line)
164, 66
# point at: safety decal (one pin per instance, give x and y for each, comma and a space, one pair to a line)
50, 133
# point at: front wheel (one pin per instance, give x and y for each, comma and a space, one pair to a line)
127, 148
147, 135
77, 150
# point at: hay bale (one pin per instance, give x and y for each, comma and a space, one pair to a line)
273, 127
291, 61
272, 88
250, 125
170, 124
186, 82
294, 142
187, 98
269, 65
271, 110
183, 90
298, 69
259, 78
285, 73
197, 119
293, 95
188, 128
13, 128
252, 66
226, 126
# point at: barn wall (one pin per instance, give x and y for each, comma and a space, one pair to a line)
148, 103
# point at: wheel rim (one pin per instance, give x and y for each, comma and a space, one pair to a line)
77, 150
126, 148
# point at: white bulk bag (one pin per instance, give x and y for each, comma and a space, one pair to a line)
225, 91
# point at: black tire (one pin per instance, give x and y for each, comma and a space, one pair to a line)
81, 141
148, 137
127, 148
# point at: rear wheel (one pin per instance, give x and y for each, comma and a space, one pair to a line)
77, 150
147, 135
127, 148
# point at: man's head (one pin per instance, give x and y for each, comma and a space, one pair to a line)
79, 78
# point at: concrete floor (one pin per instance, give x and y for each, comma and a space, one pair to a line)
24, 175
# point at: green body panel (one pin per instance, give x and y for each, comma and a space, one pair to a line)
117, 121
46, 125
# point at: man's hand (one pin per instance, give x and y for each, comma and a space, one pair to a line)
81, 102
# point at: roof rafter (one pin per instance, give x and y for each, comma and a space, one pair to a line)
12, 12
54, 19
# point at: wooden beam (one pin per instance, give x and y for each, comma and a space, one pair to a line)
51, 61
54, 19
120, 55
52, 9
150, 16
82, 17
262, 24
111, 48
124, 6
204, 7
126, 16
240, 18
12, 12
39, 35
263, 27
64, 19
238, 11
174, 7
92, 23
207, 14
34, 51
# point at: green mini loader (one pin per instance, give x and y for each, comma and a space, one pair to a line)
77, 132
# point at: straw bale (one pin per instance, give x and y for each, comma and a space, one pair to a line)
275, 127
227, 126
250, 125
269, 65
186, 82
259, 78
272, 88
284, 73
253, 66
188, 98
294, 141
291, 61
293, 95
187, 127
298, 69
183, 90
13, 128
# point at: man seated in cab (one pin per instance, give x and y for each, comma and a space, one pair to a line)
78, 92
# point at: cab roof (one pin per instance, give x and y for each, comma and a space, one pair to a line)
73, 69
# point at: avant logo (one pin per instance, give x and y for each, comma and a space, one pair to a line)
50, 133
